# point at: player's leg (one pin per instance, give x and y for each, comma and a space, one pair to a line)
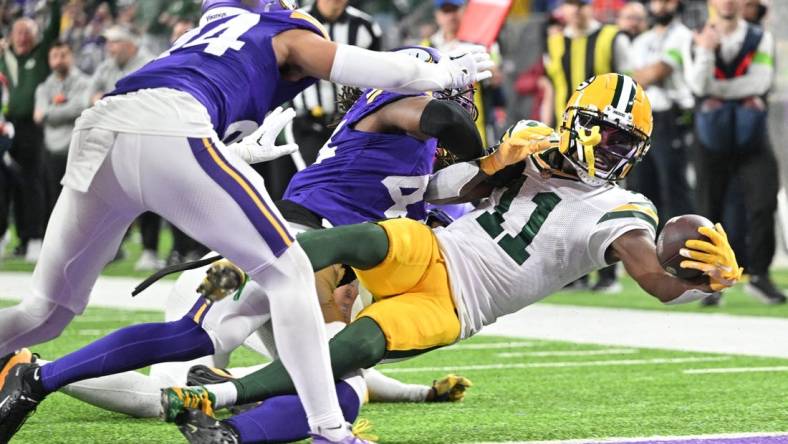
232, 214
84, 233
279, 419
392, 327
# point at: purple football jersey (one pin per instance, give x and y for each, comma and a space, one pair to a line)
361, 176
230, 67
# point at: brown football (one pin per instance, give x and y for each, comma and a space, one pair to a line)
677, 231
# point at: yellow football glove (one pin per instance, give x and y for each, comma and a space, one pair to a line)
531, 138
450, 388
221, 279
715, 258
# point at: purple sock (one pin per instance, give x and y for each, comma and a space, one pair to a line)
132, 348
283, 419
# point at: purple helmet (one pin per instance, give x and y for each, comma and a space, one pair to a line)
463, 97
258, 6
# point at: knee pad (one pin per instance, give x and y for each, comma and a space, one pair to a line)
50, 317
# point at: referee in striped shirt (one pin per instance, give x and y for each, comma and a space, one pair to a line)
316, 106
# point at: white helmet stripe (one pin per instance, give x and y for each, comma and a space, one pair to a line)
627, 92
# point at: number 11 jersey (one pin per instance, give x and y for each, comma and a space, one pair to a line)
532, 238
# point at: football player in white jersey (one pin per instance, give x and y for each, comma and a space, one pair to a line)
547, 220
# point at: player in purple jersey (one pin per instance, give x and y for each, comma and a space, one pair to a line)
382, 122
155, 144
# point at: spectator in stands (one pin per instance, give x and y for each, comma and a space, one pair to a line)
583, 49
316, 106
632, 19
730, 68
124, 57
25, 66
89, 46
662, 175
59, 101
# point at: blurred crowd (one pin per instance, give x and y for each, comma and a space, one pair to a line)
708, 68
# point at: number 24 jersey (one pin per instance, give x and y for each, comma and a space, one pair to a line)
533, 237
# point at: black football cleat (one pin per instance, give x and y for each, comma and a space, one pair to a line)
763, 289
199, 428
7, 362
712, 300
19, 398
204, 375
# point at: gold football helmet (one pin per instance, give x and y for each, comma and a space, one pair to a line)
606, 128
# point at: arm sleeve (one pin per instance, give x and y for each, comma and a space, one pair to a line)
42, 104
52, 32
622, 54
451, 183
452, 126
69, 111
699, 71
616, 223
756, 82
394, 72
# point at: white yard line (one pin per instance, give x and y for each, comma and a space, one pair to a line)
650, 439
562, 364
694, 332
111, 292
707, 371
487, 346
610, 351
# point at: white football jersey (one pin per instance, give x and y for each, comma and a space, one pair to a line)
529, 240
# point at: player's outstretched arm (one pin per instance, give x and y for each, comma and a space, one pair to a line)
637, 251
362, 68
423, 118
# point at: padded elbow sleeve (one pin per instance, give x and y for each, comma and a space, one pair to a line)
454, 129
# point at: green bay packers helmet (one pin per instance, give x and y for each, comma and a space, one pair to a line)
606, 128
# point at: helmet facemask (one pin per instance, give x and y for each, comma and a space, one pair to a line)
603, 146
462, 97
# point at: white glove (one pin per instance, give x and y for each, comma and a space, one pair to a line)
467, 66
261, 146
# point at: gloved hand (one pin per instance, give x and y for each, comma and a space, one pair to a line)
714, 258
450, 388
221, 279
261, 146
467, 66
529, 137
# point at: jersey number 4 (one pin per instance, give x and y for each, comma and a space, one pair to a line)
515, 246
219, 39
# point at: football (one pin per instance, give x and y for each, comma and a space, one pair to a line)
671, 240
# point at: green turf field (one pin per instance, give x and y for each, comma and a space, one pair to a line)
523, 390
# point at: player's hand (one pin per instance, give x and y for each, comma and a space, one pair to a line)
450, 388
261, 145
532, 138
467, 66
221, 279
714, 257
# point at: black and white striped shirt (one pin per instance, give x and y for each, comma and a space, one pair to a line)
353, 27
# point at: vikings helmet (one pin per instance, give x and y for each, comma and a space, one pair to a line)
463, 97
606, 128
258, 6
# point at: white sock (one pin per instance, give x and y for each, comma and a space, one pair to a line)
382, 388
130, 393
225, 393
301, 337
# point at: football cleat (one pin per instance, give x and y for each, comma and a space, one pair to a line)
23, 356
204, 375
19, 398
199, 428
222, 279
356, 435
175, 400
451, 388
